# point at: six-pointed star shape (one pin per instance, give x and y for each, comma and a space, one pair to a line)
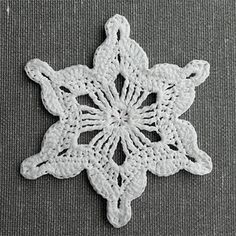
118, 118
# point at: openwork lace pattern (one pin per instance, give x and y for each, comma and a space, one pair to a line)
118, 116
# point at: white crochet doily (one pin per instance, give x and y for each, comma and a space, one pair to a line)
118, 116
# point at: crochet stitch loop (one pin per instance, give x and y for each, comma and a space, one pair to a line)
118, 118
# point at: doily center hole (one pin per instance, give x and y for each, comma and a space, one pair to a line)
150, 99
119, 82
86, 137
153, 136
86, 100
119, 155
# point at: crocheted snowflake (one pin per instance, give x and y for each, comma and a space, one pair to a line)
119, 116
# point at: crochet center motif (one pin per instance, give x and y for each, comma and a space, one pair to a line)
118, 116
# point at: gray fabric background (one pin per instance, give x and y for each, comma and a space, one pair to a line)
64, 33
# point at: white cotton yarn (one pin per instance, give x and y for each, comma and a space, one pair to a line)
118, 118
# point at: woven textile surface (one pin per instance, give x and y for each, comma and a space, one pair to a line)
65, 33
